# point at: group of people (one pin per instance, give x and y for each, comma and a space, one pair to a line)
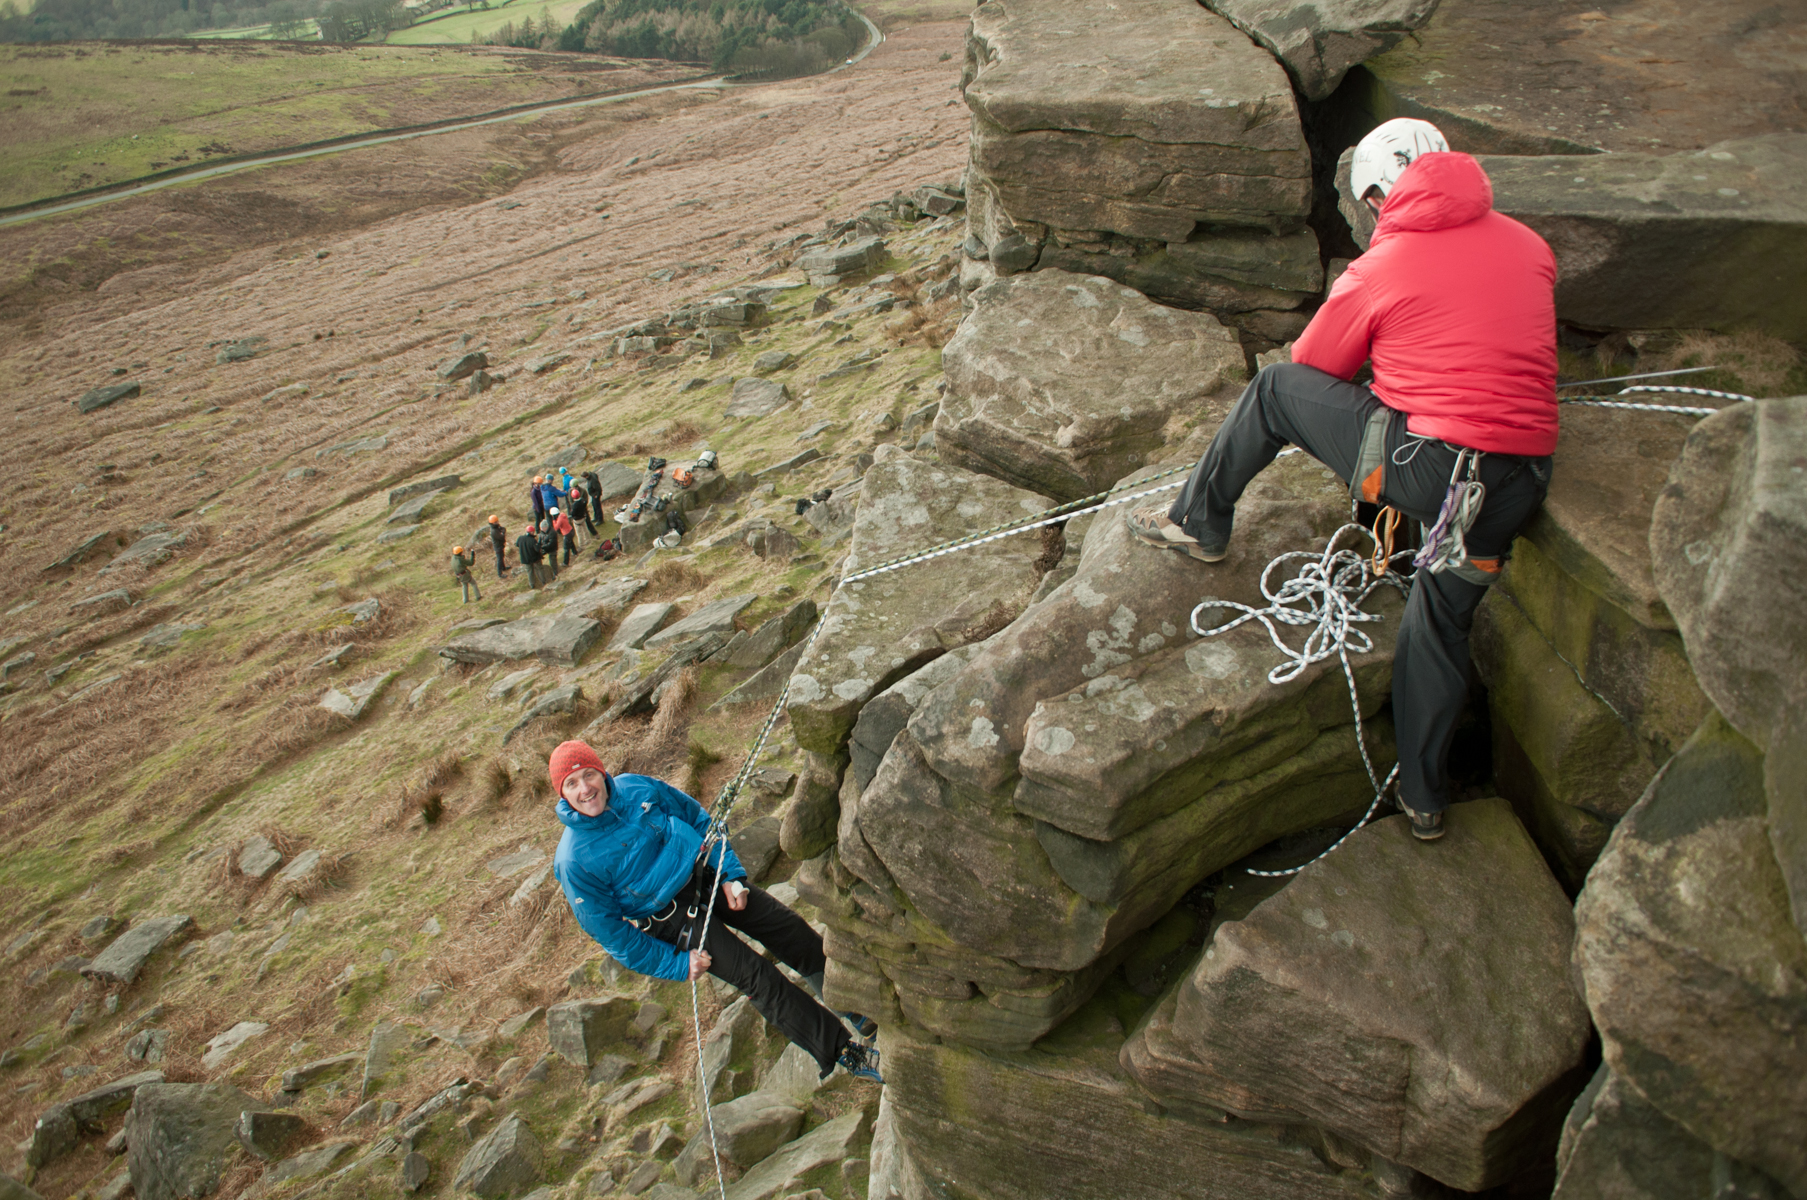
565, 507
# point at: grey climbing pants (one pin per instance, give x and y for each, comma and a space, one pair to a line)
1289, 403
468, 584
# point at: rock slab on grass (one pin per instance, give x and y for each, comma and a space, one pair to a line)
298, 1078
749, 1129
56, 1131
580, 1031
1418, 1005
461, 366
754, 397
180, 1138
148, 551
559, 639
101, 397
827, 1143
639, 625
1061, 383
356, 699
258, 857
715, 617
121, 961
220, 1048
508, 1159
407, 490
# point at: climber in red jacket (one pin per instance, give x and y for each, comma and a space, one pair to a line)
1454, 304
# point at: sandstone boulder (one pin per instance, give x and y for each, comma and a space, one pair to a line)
1138, 117
121, 961
356, 699
755, 397
102, 397
562, 640
748, 1129
1617, 1144
715, 617
611, 596
56, 1131
1318, 42
408, 490
1686, 913
180, 1138
855, 258
581, 1031
1728, 545
1223, 271
507, 1160
1062, 383
773, 636
1419, 1006
877, 630
461, 366
639, 625
148, 551
827, 1143
618, 479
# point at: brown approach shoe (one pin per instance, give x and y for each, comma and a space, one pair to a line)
1154, 526
1426, 826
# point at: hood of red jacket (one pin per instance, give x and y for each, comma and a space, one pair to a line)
1439, 191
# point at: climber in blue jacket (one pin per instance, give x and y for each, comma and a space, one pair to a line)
632, 866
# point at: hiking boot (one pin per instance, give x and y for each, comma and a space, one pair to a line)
1154, 526
866, 1027
1426, 826
861, 1062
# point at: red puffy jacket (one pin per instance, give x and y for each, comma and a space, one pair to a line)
1456, 306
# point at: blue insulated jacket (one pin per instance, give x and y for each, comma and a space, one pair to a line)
629, 862
552, 498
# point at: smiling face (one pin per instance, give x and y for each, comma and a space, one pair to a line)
586, 789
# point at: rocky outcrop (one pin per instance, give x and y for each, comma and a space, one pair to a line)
559, 639
121, 961
1063, 383
180, 1137
1319, 42
1618, 1144
1419, 1018
579, 1031
879, 629
508, 1160
1047, 801
1691, 963
57, 1130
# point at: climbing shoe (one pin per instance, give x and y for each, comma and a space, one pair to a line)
1154, 526
862, 1062
1426, 826
866, 1027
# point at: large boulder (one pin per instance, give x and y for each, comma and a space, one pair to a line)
56, 1131
1616, 1144
878, 630
560, 639
1318, 42
1063, 383
1220, 270
748, 1129
1692, 966
508, 1160
1143, 118
1087, 765
1417, 1003
831, 1142
581, 1031
180, 1137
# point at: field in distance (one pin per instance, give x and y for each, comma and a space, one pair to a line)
455, 26
77, 115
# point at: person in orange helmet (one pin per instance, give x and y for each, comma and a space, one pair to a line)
462, 562
498, 539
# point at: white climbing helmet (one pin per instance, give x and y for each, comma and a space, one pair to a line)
1382, 156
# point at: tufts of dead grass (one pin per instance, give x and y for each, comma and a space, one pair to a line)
671, 578
496, 783
317, 882
1755, 364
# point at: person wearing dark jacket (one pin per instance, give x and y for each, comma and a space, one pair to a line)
551, 495
548, 550
636, 869
593, 485
1454, 304
537, 497
498, 540
580, 509
528, 547
462, 562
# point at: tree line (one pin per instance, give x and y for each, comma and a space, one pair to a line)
764, 38
68, 20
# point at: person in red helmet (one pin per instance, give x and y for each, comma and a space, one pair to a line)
1454, 304
635, 867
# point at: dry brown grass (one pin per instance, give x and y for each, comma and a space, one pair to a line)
1755, 363
497, 782
673, 577
327, 875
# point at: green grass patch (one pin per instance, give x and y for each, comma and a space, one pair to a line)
460, 28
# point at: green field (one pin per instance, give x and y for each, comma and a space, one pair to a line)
457, 28
85, 114
251, 32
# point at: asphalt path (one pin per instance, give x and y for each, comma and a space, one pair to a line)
279, 156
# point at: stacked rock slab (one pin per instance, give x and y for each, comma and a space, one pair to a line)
1388, 995
1127, 138
1590, 688
1064, 383
1088, 765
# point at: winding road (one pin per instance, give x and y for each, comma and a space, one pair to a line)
52, 207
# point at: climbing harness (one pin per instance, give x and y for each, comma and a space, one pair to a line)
1446, 542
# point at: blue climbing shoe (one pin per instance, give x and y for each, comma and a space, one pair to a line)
866, 1027
862, 1062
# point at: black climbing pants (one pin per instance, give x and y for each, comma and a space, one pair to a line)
570, 545
501, 565
793, 1011
1327, 417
